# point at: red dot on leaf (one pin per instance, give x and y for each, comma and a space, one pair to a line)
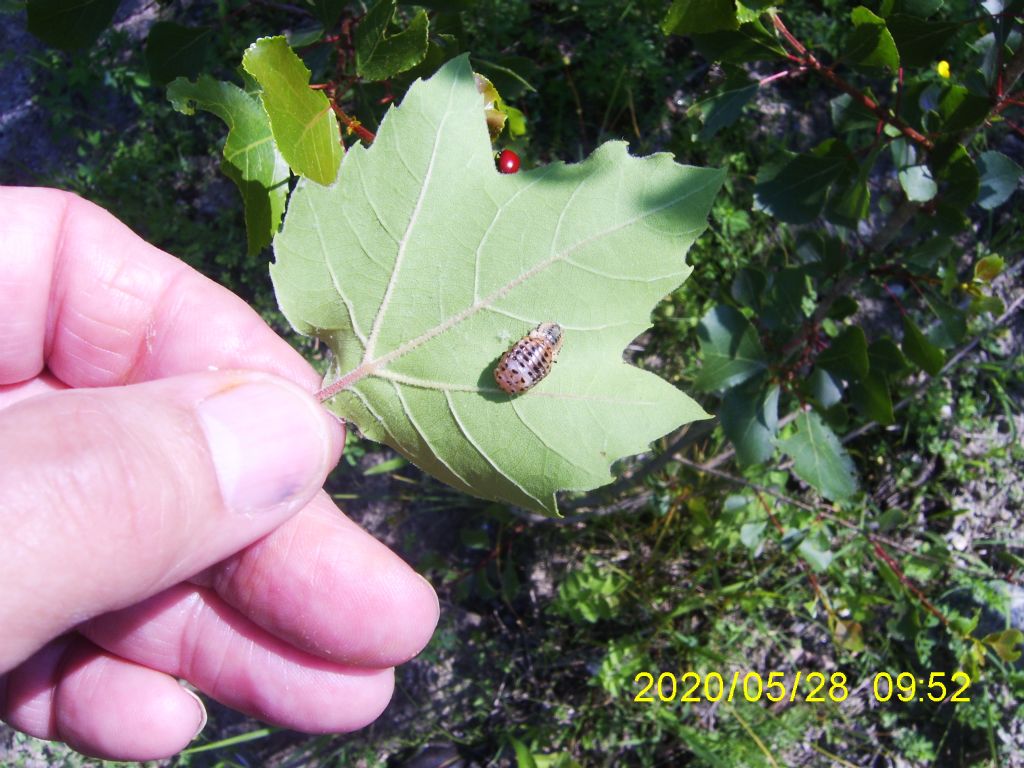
508, 161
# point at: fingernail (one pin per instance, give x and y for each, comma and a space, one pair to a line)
269, 444
202, 712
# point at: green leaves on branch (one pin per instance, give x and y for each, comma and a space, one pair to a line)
250, 159
871, 44
380, 55
422, 264
303, 123
285, 124
796, 187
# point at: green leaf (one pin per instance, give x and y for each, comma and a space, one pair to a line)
1000, 177
885, 357
524, 756
1005, 644
750, 420
818, 458
847, 355
960, 180
380, 55
730, 347
752, 534
825, 389
304, 126
251, 158
850, 203
175, 51
919, 350
422, 264
871, 397
689, 17
961, 109
385, 467
989, 268
751, 42
70, 24
918, 184
871, 44
815, 553
920, 42
328, 11
794, 188
723, 109
952, 326
748, 287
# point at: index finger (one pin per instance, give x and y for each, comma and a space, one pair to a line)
85, 297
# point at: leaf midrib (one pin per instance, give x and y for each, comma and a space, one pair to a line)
369, 365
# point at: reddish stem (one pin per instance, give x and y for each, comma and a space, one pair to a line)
353, 125
906, 582
808, 60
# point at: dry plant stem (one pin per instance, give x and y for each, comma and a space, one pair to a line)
809, 60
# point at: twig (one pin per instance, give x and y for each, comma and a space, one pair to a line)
809, 60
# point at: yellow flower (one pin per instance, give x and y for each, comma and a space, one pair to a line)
943, 69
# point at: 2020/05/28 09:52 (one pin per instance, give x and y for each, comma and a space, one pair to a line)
692, 687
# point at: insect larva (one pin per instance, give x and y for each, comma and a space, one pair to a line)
529, 360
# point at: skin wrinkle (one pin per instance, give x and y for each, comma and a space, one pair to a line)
190, 647
55, 303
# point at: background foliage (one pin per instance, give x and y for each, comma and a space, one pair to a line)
852, 319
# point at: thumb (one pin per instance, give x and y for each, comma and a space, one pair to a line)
110, 495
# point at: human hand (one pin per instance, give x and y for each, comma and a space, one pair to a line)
160, 508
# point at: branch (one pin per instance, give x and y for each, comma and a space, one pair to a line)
809, 60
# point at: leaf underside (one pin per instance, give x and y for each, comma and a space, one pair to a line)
422, 264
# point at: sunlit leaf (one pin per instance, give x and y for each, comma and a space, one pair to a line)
305, 128
418, 310
989, 268
251, 158
688, 17
819, 459
871, 44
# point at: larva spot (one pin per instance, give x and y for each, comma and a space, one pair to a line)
529, 360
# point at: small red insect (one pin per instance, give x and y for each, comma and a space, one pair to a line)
529, 360
508, 161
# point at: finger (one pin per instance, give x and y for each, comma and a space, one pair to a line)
84, 295
43, 384
111, 495
99, 704
189, 632
349, 598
